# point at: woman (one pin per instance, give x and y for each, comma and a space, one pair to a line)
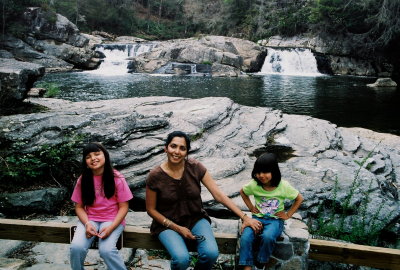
173, 201
101, 198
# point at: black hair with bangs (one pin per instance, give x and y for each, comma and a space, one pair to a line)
266, 163
87, 183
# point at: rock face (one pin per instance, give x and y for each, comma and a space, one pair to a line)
52, 41
333, 55
227, 56
38, 201
16, 78
323, 161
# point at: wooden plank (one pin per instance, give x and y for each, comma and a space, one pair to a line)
40, 231
136, 237
331, 251
57, 232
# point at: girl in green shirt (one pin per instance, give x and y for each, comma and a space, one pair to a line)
269, 193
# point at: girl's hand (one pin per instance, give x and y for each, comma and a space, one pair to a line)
282, 215
253, 223
185, 232
90, 230
254, 210
105, 232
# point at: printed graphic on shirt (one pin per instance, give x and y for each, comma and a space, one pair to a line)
268, 207
99, 190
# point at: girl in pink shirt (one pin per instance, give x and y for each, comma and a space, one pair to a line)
101, 198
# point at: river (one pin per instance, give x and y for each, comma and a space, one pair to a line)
343, 100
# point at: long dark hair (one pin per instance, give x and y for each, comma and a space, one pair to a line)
266, 163
87, 183
180, 134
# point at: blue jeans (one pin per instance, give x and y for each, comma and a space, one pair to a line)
107, 247
261, 245
207, 247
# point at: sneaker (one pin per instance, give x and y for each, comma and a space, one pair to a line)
258, 265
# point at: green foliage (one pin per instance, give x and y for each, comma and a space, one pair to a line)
372, 24
16, 29
52, 89
197, 135
53, 164
336, 223
207, 63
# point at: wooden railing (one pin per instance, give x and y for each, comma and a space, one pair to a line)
57, 232
137, 237
332, 251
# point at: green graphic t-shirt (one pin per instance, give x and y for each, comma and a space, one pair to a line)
270, 202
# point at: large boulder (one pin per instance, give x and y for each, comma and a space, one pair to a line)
22, 51
383, 82
35, 201
16, 78
52, 41
323, 161
228, 56
45, 25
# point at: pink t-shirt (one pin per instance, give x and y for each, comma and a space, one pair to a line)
104, 209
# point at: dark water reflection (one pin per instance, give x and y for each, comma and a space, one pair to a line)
345, 101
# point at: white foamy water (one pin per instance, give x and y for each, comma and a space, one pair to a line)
117, 58
293, 61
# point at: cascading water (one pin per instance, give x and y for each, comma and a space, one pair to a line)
293, 61
117, 57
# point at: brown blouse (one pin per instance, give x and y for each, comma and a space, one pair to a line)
178, 200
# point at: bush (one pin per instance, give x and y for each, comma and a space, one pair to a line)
334, 220
52, 89
50, 165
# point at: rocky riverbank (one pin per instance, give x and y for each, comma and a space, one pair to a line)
317, 157
323, 161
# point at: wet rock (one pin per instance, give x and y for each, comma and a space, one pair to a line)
16, 78
383, 82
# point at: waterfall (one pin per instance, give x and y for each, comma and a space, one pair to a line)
117, 57
290, 61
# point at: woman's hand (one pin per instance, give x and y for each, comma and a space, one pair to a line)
252, 223
185, 232
282, 215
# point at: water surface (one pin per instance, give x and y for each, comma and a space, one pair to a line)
342, 100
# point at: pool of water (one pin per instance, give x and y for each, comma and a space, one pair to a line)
343, 100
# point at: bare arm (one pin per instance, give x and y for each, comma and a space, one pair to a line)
81, 213
286, 215
151, 202
219, 196
248, 202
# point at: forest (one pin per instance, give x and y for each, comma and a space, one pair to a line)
371, 25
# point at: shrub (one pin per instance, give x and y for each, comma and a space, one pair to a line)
335, 224
50, 165
52, 89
